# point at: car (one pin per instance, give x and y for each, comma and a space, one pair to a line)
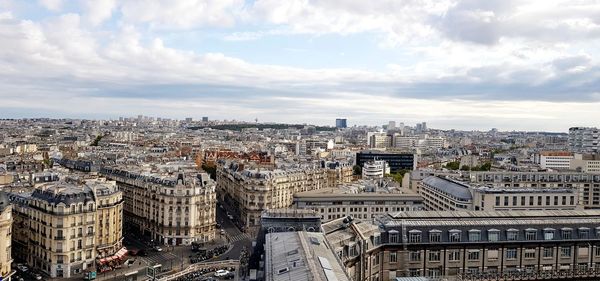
158, 249
230, 217
221, 273
222, 231
23, 268
37, 276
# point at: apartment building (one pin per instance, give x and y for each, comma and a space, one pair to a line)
170, 207
6, 234
109, 217
58, 230
584, 140
362, 200
505, 245
250, 191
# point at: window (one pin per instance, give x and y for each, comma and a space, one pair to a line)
474, 235
512, 234
597, 251
414, 256
434, 255
572, 200
548, 252
584, 233
565, 252
453, 255
548, 234
505, 200
514, 199
566, 233
529, 253
539, 199
393, 236
530, 200
435, 236
497, 200
511, 254
414, 236
454, 235
473, 255
530, 234
493, 235
522, 200
393, 257
377, 240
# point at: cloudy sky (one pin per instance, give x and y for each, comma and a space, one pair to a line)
508, 64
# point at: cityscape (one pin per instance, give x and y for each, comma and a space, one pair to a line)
299, 140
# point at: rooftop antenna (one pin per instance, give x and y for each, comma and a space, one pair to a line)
256, 120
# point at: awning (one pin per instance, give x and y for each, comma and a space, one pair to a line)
121, 252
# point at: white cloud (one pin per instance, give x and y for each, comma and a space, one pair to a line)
182, 14
53, 5
97, 11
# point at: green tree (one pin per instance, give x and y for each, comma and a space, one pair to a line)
486, 167
357, 170
452, 165
97, 140
465, 168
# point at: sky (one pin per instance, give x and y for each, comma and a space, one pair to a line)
506, 64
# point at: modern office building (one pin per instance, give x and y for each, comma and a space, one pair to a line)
341, 123
555, 160
396, 161
6, 234
506, 245
443, 194
173, 208
375, 169
584, 140
362, 200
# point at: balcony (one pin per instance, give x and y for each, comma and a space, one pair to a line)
59, 238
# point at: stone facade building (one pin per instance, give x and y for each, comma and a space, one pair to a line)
173, 208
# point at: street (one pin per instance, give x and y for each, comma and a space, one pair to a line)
238, 239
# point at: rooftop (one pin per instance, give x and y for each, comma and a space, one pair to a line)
300, 256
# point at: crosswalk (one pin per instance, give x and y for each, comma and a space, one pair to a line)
160, 257
239, 237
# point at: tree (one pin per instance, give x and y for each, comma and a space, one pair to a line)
486, 167
452, 165
211, 170
357, 170
97, 140
465, 168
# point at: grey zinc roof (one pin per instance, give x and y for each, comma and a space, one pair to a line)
451, 187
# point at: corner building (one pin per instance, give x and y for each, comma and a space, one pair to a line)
63, 237
170, 208
6, 233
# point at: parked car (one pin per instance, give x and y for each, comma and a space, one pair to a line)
158, 249
221, 273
